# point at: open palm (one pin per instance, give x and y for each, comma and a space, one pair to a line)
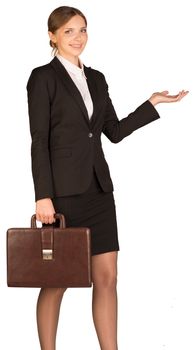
159, 97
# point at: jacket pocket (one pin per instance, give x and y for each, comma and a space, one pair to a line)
61, 152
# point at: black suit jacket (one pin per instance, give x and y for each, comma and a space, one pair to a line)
66, 144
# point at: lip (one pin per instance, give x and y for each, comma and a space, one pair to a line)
76, 46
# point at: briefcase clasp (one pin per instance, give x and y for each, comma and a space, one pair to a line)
47, 254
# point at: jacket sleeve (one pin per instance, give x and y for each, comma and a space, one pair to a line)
39, 117
116, 129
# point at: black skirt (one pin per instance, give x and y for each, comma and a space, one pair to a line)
94, 209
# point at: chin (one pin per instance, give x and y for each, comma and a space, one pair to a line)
76, 52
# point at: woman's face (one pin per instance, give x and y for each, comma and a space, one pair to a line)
71, 38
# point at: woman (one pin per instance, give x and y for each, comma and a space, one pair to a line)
69, 108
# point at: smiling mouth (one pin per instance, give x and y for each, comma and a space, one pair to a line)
76, 46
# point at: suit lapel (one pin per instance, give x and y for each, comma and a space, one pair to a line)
93, 91
72, 88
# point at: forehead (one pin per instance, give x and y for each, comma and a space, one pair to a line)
74, 22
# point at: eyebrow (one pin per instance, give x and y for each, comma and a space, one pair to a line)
74, 28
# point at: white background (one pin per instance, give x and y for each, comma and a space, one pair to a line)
141, 47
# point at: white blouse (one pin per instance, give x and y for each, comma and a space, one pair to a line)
78, 76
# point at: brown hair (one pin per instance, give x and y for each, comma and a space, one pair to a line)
59, 17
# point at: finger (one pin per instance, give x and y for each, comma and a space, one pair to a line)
183, 94
179, 96
38, 217
43, 219
51, 219
165, 92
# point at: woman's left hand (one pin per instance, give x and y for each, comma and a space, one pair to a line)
159, 97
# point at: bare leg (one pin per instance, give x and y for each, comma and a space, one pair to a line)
48, 307
104, 303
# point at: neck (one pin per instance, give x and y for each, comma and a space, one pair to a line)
72, 59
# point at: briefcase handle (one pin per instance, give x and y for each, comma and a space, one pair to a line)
56, 215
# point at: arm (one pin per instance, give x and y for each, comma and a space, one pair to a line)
116, 129
39, 117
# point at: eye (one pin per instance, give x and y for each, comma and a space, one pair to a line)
83, 30
68, 31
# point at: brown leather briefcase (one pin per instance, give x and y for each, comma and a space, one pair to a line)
49, 256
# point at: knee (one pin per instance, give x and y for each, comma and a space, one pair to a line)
106, 280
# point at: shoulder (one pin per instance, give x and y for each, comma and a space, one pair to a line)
41, 74
42, 70
96, 73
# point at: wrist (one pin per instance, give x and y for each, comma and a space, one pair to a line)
43, 200
153, 100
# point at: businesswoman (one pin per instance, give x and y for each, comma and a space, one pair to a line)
69, 108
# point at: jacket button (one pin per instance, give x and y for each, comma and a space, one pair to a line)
90, 134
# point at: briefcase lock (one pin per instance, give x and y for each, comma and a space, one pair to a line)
47, 254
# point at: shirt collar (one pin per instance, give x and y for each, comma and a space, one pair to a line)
72, 68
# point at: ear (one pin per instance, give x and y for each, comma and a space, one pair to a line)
52, 37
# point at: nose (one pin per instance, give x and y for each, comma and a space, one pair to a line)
77, 36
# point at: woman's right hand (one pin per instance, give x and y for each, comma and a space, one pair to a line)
45, 211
